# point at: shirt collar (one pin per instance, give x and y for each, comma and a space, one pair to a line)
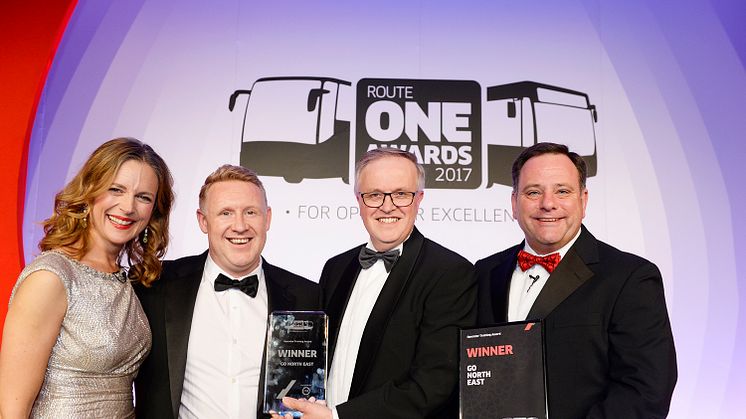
212, 270
562, 250
400, 247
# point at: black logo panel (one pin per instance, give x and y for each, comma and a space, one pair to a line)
439, 121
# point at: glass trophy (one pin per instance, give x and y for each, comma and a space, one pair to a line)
296, 358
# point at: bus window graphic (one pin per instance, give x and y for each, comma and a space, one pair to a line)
292, 128
522, 114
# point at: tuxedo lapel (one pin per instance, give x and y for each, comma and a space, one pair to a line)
180, 296
500, 285
395, 285
278, 297
339, 296
570, 274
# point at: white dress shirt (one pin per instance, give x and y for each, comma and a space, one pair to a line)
364, 295
526, 286
225, 350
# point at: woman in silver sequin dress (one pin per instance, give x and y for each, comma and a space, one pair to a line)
75, 334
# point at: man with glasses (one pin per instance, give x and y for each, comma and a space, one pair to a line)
395, 305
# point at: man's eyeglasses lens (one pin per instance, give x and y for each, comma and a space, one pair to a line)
400, 199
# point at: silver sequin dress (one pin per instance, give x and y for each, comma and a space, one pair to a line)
102, 342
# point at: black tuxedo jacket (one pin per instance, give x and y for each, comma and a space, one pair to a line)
169, 306
609, 348
407, 366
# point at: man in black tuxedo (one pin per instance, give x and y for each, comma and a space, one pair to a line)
395, 305
208, 313
609, 348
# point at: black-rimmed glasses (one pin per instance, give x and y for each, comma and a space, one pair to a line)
399, 199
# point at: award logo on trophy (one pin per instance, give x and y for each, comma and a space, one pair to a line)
296, 358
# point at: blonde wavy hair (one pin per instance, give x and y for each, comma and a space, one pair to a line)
67, 227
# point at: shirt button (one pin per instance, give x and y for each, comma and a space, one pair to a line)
233, 380
234, 341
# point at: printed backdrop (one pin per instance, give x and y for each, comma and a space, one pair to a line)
651, 93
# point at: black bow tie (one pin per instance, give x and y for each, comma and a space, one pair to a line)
248, 285
368, 257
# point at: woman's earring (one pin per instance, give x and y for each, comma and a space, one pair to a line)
84, 220
145, 236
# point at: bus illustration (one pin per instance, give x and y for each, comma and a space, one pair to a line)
522, 114
309, 141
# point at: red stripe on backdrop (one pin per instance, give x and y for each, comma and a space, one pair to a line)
30, 31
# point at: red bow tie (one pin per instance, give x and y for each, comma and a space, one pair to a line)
527, 260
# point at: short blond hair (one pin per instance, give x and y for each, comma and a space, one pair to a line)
229, 172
